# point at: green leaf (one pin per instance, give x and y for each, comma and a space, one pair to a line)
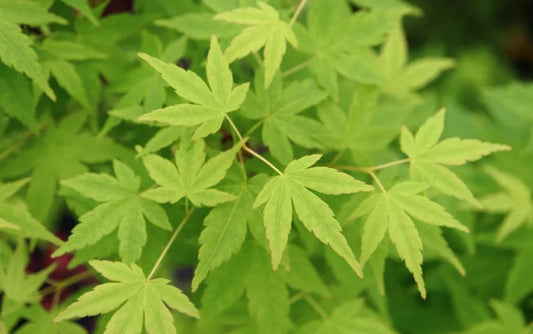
391, 212
15, 52
16, 97
265, 29
120, 208
428, 155
190, 177
136, 296
27, 12
199, 26
315, 214
83, 7
268, 297
515, 201
210, 104
280, 109
402, 79
62, 151
17, 218
225, 230
18, 286
350, 317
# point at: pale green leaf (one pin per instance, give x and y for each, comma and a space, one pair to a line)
406, 239
277, 216
186, 83
455, 151
181, 114
218, 73
175, 299
157, 317
318, 218
428, 134
375, 228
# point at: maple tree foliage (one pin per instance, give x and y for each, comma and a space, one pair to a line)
255, 167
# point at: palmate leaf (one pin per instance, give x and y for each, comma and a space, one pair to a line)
137, 298
509, 319
283, 192
515, 201
209, 105
391, 213
340, 42
226, 225
15, 283
16, 219
265, 29
61, 152
41, 322
120, 207
190, 176
281, 109
428, 157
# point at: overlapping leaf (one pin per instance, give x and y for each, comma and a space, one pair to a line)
292, 188
265, 29
225, 225
61, 152
350, 317
515, 201
428, 156
392, 213
280, 109
209, 104
16, 52
16, 284
189, 177
16, 218
121, 207
138, 298
340, 42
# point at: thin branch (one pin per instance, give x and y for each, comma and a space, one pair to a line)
301, 6
255, 127
378, 182
316, 306
298, 67
169, 243
248, 149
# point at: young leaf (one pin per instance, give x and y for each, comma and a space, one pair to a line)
190, 177
428, 155
225, 227
265, 29
136, 296
209, 105
314, 213
391, 212
120, 207
516, 201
